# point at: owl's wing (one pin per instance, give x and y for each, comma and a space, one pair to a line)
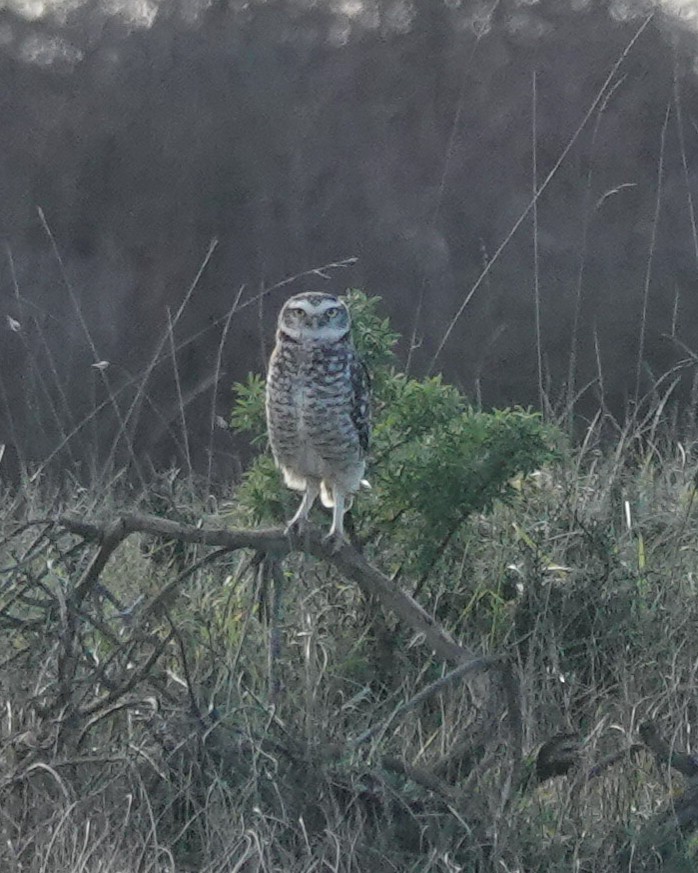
361, 401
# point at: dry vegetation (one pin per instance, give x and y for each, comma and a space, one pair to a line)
166, 708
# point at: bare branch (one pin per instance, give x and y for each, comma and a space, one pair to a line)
665, 754
274, 541
133, 680
477, 665
111, 539
422, 776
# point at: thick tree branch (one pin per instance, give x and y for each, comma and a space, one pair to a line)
347, 561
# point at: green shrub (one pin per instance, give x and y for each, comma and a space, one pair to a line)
435, 461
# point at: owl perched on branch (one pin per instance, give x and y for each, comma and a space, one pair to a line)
318, 406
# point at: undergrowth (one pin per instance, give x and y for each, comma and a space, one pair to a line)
157, 742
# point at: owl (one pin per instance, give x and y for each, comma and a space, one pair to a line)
318, 407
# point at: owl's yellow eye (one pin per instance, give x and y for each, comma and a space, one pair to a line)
332, 312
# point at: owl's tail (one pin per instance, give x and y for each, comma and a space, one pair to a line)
327, 498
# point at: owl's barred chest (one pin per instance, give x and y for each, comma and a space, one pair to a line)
310, 389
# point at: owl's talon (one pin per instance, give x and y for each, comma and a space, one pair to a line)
296, 527
335, 541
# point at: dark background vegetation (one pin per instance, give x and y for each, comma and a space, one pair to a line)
397, 132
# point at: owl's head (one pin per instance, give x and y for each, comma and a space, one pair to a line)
314, 317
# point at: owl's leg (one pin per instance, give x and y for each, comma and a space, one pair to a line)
312, 489
336, 537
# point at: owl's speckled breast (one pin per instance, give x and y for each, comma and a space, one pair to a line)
309, 403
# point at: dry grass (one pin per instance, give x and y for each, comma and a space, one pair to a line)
152, 740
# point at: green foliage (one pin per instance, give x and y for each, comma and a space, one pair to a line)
248, 411
435, 461
375, 340
445, 462
262, 496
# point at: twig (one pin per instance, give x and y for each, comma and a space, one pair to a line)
477, 665
544, 184
193, 703
665, 754
650, 256
609, 760
422, 776
111, 539
132, 681
93, 348
278, 580
120, 706
163, 595
216, 382
43, 766
512, 693
155, 359
180, 397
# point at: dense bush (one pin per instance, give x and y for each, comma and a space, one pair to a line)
435, 460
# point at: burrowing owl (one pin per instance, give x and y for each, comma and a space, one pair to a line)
318, 406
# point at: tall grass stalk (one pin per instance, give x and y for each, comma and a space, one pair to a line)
650, 256
544, 185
